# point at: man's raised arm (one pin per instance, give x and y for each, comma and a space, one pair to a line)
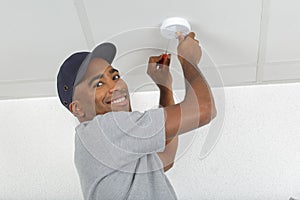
198, 107
163, 78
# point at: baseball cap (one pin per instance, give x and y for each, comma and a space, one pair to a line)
74, 67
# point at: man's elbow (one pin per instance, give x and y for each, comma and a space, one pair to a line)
213, 113
166, 168
209, 112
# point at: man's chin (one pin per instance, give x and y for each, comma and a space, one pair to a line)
114, 108
123, 108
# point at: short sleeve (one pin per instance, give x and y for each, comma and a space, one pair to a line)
118, 138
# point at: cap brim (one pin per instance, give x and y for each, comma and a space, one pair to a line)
106, 51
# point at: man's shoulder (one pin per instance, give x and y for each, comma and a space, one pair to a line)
124, 120
133, 115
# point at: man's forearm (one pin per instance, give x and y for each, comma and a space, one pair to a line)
197, 93
169, 153
166, 96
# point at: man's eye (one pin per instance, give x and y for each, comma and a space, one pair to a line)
116, 77
99, 84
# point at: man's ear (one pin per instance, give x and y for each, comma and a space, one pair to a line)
76, 109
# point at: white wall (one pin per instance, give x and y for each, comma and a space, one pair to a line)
256, 157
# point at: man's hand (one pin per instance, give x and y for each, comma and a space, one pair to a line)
188, 48
160, 73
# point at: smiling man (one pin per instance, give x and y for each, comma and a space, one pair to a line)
103, 85
120, 153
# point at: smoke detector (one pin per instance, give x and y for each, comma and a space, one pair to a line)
171, 26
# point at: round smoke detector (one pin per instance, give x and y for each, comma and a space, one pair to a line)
171, 26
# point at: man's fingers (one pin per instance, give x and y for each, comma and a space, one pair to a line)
154, 59
180, 36
152, 64
160, 59
191, 34
151, 68
168, 60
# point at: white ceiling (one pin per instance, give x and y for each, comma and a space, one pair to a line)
250, 41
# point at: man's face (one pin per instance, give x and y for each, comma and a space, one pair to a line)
102, 89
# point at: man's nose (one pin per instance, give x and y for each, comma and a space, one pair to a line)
113, 86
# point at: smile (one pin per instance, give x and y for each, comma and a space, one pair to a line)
119, 100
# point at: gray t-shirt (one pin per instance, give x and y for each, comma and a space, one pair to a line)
115, 156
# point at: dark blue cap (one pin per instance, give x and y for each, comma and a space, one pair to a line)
74, 67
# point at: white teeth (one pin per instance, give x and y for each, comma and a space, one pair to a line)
118, 100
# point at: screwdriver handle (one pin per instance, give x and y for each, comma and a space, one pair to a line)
163, 59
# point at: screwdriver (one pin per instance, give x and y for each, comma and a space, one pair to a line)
165, 55
163, 59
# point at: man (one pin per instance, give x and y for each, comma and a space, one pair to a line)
120, 153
